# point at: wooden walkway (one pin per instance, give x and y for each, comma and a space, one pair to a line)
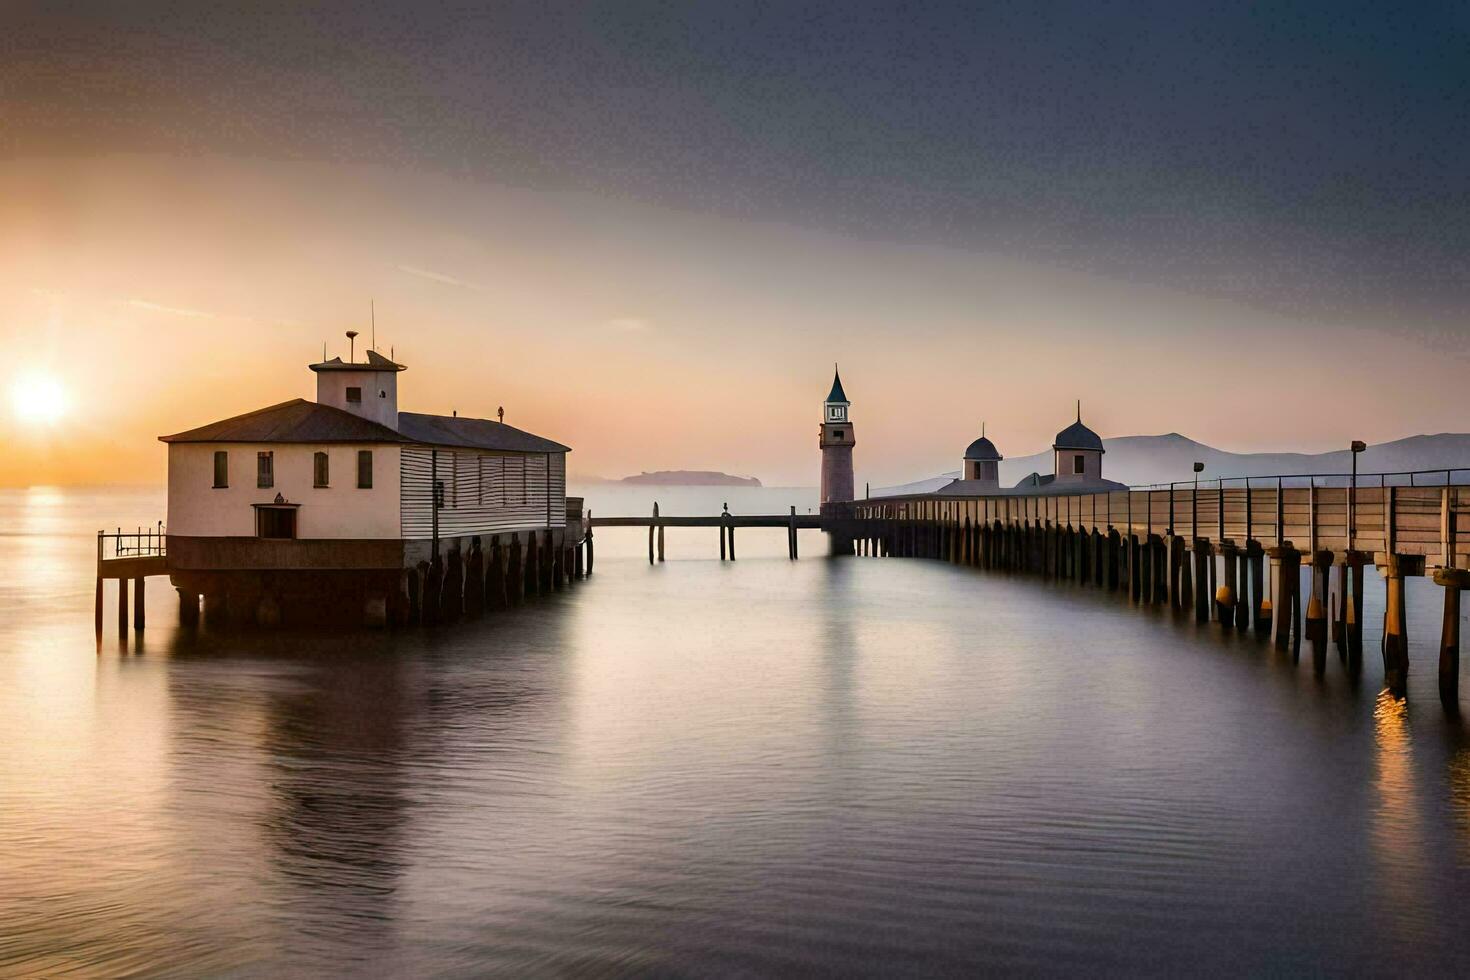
129, 556
726, 522
1208, 547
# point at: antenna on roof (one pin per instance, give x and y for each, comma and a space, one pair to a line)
324, 351
982, 430
1079, 410
351, 346
373, 312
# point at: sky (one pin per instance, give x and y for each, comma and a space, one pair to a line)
649, 230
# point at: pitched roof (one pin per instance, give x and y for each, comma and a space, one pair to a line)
836, 394
444, 430
297, 420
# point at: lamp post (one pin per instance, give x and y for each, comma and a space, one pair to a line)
1357, 447
1194, 502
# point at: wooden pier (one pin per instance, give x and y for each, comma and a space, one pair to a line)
725, 522
1231, 551
131, 556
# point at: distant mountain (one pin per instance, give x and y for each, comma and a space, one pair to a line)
1141, 460
690, 478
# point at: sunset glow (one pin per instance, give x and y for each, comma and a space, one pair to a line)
38, 400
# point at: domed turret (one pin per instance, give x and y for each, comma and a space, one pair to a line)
1078, 453
981, 461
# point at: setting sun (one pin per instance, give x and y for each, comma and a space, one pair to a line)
38, 399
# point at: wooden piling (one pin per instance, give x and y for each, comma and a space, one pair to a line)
140, 615
652, 530
1453, 580
791, 546
1202, 561
1395, 627
1317, 606
1286, 609
122, 606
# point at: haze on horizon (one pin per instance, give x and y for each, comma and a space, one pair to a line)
650, 231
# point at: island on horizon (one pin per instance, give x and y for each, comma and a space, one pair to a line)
690, 478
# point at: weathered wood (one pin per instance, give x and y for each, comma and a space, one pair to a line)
1286, 610
122, 606
1453, 581
1395, 627
140, 614
1317, 606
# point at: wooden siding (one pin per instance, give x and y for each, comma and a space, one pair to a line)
484, 493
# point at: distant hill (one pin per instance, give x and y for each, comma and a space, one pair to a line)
690, 478
1140, 460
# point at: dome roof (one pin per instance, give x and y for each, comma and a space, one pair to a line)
984, 450
1078, 436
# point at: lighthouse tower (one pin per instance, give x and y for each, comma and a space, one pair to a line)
836, 440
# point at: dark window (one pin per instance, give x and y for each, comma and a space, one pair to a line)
275, 522
265, 470
221, 468
319, 471
837, 434
1077, 465
354, 394
364, 469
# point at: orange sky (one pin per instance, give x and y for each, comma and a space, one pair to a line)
163, 293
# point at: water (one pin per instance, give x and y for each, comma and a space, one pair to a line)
850, 766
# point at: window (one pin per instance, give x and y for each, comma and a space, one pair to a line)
1077, 464
364, 469
265, 470
221, 469
275, 522
354, 395
837, 434
319, 471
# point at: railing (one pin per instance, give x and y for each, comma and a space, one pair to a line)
1416, 478
145, 542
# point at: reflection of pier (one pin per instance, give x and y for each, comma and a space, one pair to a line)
1208, 547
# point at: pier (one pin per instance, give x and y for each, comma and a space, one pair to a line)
1231, 552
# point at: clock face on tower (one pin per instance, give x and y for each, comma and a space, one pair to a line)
836, 413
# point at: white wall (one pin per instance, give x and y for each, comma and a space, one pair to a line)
379, 394
340, 510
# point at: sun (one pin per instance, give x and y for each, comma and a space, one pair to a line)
38, 399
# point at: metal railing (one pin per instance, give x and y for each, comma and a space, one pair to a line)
1416, 478
145, 542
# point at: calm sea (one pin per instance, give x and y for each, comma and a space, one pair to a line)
832, 766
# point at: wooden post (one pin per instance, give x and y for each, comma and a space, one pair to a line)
516, 571
791, 535
1286, 610
140, 615
474, 579
1202, 561
722, 537
1453, 580
188, 608
1260, 603
122, 606
451, 599
652, 530
1227, 595
1395, 627
589, 552
415, 600
1317, 603
731, 526
434, 591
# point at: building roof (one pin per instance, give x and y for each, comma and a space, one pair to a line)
836, 394
444, 430
297, 420
374, 362
984, 450
1034, 485
1078, 436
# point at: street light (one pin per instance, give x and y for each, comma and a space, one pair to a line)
1194, 502
1357, 447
